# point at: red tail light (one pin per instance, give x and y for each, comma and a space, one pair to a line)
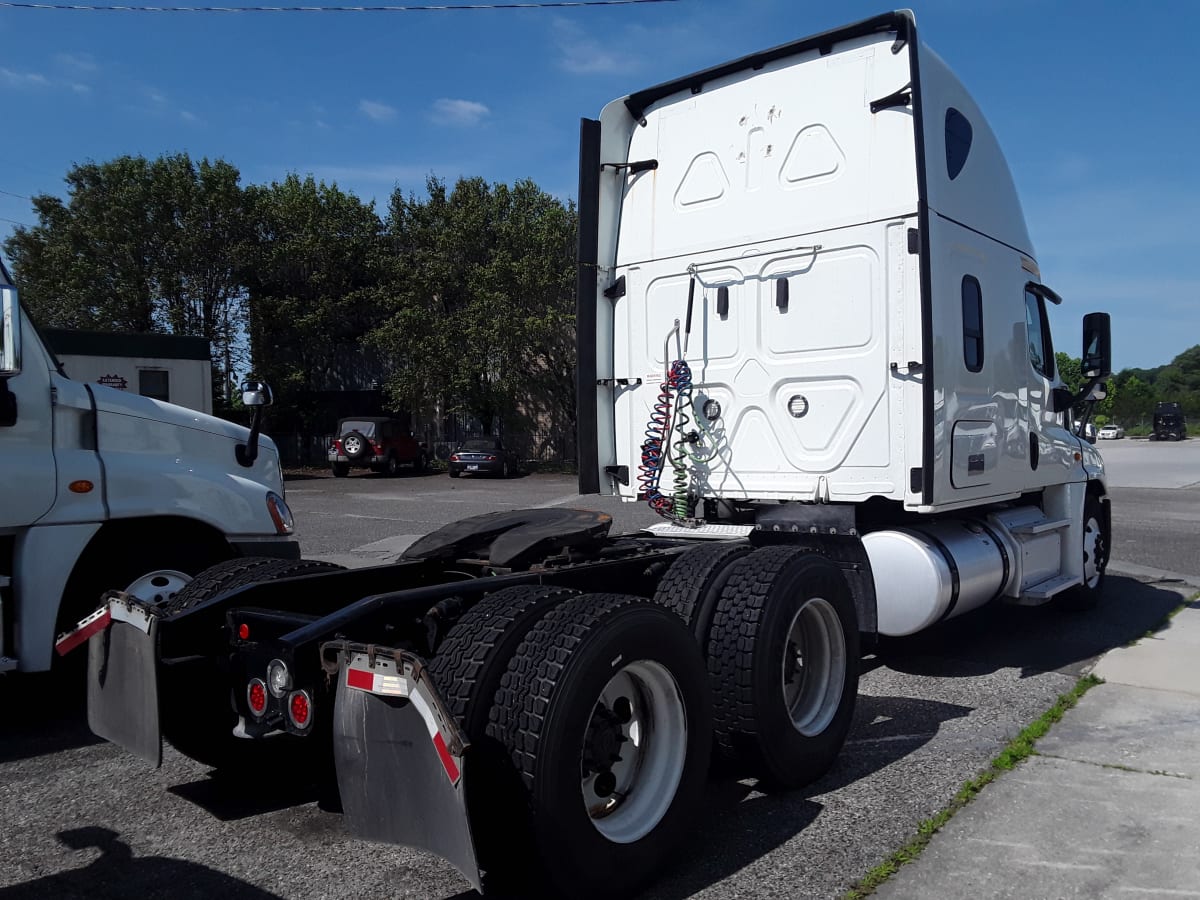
491, 459
453, 457
256, 696
244, 632
299, 709
378, 448
337, 445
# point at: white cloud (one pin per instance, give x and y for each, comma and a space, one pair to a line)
22, 79
459, 112
188, 117
580, 54
379, 112
79, 88
80, 62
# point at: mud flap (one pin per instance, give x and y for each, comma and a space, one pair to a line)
123, 681
399, 756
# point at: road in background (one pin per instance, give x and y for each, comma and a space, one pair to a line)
1155, 488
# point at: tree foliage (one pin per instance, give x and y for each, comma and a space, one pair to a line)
314, 277
482, 300
139, 245
459, 300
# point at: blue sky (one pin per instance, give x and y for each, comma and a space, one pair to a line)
1095, 105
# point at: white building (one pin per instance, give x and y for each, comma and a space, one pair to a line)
167, 367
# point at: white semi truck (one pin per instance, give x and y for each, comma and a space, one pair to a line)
812, 334
103, 489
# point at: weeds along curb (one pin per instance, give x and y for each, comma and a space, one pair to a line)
1017, 749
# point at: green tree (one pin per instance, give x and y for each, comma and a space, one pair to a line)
139, 245
483, 310
313, 278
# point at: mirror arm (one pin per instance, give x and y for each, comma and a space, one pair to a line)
247, 453
8, 405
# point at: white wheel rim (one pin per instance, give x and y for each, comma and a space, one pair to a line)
814, 667
653, 751
1091, 551
352, 446
159, 587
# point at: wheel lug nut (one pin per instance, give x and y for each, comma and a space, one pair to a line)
623, 710
606, 783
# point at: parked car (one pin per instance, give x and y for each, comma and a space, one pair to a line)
485, 456
377, 443
1111, 432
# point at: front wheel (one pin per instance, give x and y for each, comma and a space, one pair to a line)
1095, 549
606, 716
340, 470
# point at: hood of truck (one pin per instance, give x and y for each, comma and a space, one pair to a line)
110, 400
138, 436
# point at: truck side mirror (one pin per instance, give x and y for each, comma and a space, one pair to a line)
1097, 346
10, 333
256, 393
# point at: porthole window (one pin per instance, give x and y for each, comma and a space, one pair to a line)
972, 317
958, 142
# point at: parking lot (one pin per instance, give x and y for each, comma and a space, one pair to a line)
83, 819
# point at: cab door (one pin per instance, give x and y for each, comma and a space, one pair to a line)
1052, 448
28, 480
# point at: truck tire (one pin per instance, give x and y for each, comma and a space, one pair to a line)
600, 810
783, 656
1096, 545
467, 671
203, 730
692, 585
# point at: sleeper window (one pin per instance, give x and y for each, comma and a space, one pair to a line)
972, 316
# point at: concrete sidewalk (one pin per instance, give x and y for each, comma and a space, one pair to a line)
1110, 805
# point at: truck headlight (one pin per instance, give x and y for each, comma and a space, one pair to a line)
280, 514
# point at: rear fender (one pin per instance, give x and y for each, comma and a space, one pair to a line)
399, 754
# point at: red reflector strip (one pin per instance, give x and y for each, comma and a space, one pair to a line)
356, 678
447, 760
93, 624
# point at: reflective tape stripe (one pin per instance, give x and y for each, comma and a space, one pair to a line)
448, 762
397, 685
93, 624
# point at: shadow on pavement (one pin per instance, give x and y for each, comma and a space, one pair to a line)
1033, 639
118, 874
41, 716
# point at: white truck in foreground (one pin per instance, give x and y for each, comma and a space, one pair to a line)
103, 489
812, 334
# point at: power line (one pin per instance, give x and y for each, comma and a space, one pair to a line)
11, 194
15, 222
551, 4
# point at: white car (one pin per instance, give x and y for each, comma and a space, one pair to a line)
1111, 432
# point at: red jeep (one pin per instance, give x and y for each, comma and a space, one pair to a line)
375, 442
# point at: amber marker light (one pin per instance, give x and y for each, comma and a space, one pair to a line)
80, 487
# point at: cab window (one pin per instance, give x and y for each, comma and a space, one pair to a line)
1037, 326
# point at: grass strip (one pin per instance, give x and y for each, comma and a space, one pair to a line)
1017, 749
